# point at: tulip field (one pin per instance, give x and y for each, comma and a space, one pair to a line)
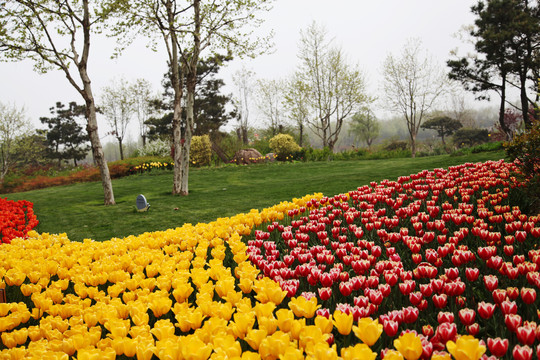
434, 265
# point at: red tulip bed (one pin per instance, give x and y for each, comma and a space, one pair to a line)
440, 252
16, 219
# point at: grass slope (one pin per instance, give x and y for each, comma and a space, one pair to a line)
77, 209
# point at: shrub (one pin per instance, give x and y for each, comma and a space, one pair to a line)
157, 147
396, 145
200, 151
524, 149
467, 137
283, 145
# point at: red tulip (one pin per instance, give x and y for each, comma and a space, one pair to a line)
512, 321
522, 352
499, 295
325, 293
345, 288
390, 327
512, 293
427, 330
508, 307
467, 316
443, 317
375, 297
497, 346
410, 314
440, 301
485, 310
472, 274
491, 282
526, 335
326, 280
473, 329
528, 295
447, 331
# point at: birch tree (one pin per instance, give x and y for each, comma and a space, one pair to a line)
56, 35
189, 29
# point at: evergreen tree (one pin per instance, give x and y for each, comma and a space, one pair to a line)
66, 139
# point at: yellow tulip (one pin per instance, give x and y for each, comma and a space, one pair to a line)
303, 307
274, 346
254, 338
359, 351
14, 277
160, 305
250, 355
368, 330
292, 353
285, 318
20, 336
322, 350
228, 346
440, 355
297, 327
393, 355
145, 350
466, 348
117, 327
194, 349
409, 345
243, 322
182, 292
163, 329
343, 322
9, 340
310, 336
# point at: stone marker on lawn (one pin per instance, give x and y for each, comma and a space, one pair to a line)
142, 204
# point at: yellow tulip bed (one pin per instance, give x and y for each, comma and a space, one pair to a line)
192, 293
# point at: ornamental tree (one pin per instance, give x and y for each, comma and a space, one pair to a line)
56, 35
444, 125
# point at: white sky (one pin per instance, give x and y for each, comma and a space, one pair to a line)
366, 30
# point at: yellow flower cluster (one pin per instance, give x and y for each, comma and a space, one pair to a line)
152, 165
185, 293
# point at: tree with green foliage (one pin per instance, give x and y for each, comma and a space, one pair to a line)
13, 125
30, 151
412, 85
444, 125
56, 34
506, 40
467, 137
66, 139
333, 88
188, 30
210, 106
365, 126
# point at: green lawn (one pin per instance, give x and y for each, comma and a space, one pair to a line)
77, 209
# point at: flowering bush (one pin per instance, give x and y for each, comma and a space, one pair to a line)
283, 145
158, 147
433, 265
16, 219
524, 149
201, 151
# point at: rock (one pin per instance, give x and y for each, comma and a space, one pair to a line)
247, 156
